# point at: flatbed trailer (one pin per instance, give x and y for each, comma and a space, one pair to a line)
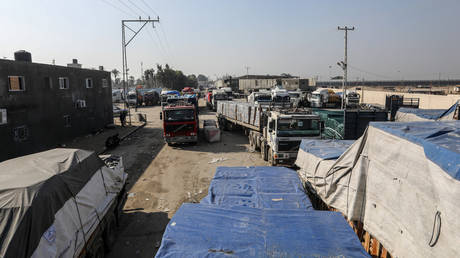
276, 133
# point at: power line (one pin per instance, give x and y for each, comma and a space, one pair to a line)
154, 41
116, 7
127, 6
148, 6
138, 8
161, 43
166, 39
371, 73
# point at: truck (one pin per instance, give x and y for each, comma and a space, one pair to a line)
352, 99
209, 99
276, 133
280, 98
218, 95
131, 99
325, 98
180, 122
261, 97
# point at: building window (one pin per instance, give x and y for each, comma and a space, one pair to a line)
105, 83
63, 83
80, 103
67, 121
49, 82
16, 83
3, 120
21, 133
89, 83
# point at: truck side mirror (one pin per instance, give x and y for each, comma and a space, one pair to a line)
161, 116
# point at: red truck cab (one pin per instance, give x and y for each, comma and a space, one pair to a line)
180, 123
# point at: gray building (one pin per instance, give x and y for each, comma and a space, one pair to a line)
44, 105
257, 82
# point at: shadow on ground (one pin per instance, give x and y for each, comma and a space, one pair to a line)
139, 234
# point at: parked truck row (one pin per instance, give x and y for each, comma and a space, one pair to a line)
276, 133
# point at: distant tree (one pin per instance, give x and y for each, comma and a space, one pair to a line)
131, 81
202, 78
287, 75
115, 73
149, 76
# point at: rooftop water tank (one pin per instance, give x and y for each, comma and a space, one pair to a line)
22, 55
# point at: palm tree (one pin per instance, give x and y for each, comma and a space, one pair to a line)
115, 73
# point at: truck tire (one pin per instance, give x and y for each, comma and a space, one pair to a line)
251, 143
263, 151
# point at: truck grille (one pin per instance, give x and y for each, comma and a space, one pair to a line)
288, 145
179, 129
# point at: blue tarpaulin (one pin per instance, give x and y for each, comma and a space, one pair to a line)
257, 187
203, 230
325, 149
440, 141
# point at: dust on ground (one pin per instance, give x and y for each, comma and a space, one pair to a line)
162, 177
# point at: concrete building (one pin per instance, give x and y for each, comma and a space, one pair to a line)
257, 82
44, 105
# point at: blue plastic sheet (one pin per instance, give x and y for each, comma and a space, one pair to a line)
202, 230
440, 141
325, 149
257, 187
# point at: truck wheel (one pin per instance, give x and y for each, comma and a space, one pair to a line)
251, 143
263, 151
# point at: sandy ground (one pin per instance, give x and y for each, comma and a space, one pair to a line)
161, 177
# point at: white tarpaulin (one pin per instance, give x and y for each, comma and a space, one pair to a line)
414, 114
51, 202
401, 180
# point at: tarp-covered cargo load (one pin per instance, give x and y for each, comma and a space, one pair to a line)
202, 230
257, 187
248, 113
50, 202
401, 180
414, 114
319, 155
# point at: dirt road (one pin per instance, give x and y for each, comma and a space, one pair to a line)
164, 177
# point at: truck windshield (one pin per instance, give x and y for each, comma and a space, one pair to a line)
281, 99
220, 97
315, 96
298, 127
263, 98
179, 115
294, 95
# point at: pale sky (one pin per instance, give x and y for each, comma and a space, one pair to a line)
394, 39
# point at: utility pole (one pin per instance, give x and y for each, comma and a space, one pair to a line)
344, 65
124, 44
247, 71
142, 72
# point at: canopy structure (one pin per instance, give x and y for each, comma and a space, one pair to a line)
414, 114
257, 212
401, 180
50, 199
